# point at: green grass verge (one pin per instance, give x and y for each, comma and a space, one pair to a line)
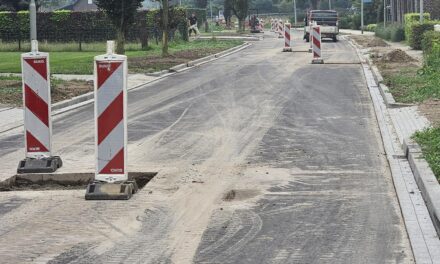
429, 140
410, 85
82, 62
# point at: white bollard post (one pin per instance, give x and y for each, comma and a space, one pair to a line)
316, 45
110, 116
37, 113
287, 46
111, 177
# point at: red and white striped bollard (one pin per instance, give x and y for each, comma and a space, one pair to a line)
316, 45
287, 46
37, 113
111, 177
280, 29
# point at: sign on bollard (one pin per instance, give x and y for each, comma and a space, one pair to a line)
316, 45
287, 46
37, 114
111, 177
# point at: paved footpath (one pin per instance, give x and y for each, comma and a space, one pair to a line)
262, 158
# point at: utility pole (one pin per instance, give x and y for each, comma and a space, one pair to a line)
294, 11
33, 19
362, 16
384, 13
421, 12
329, 4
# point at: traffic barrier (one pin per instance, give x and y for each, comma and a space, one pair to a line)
316, 45
310, 36
37, 114
111, 179
280, 29
287, 46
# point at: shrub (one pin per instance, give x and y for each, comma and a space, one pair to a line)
392, 32
431, 49
371, 27
411, 18
344, 22
417, 31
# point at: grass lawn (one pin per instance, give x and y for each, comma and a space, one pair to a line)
429, 140
82, 62
11, 90
409, 85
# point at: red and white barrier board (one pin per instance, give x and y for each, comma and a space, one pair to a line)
111, 117
287, 46
37, 104
316, 45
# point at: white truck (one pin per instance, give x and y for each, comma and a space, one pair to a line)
327, 19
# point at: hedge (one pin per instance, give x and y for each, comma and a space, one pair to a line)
417, 31
431, 49
68, 26
65, 26
392, 32
411, 18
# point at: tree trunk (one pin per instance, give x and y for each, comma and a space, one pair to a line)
120, 41
165, 28
240, 25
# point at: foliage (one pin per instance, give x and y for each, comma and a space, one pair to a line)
416, 33
240, 9
429, 140
371, 27
66, 26
122, 14
411, 18
431, 50
392, 32
14, 5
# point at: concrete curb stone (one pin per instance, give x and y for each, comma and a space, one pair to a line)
425, 178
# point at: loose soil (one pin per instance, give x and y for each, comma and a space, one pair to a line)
396, 62
11, 91
157, 63
369, 41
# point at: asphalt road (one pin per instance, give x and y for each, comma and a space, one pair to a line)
262, 158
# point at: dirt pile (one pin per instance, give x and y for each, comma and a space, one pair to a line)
397, 55
369, 41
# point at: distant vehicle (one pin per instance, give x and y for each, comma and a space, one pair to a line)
327, 19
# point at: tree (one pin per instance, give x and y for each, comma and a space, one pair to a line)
240, 9
14, 5
165, 26
227, 13
201, 3
122, 14
314, 4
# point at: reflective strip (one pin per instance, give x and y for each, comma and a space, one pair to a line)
34, 80
39, 130
111, 146
110, 89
